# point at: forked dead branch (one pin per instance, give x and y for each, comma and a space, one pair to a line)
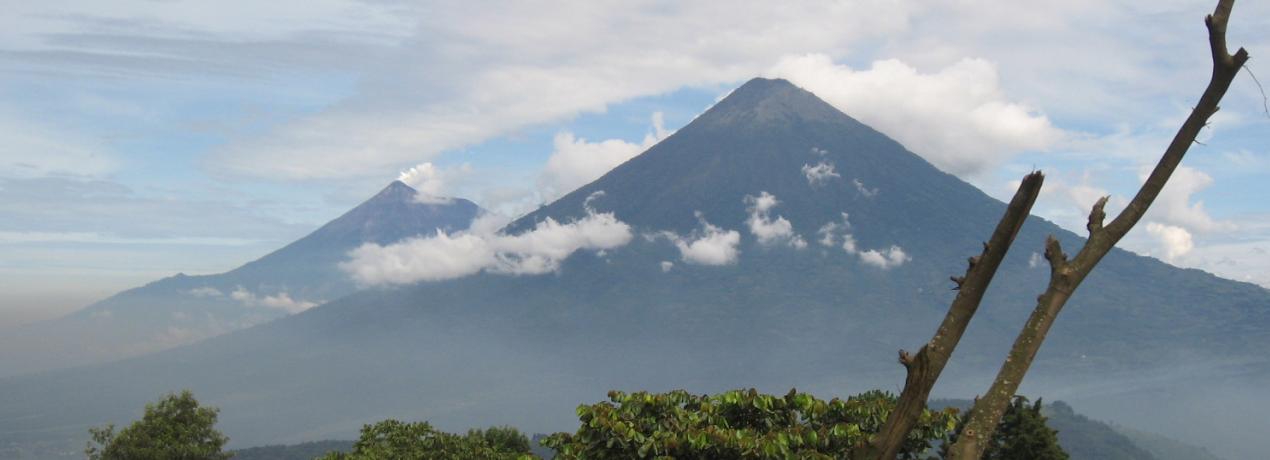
1066, 276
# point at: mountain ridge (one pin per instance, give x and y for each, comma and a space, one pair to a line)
525, 350
184, 308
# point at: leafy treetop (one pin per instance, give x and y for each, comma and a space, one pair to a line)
738, 424
176, 427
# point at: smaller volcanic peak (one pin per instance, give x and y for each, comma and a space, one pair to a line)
393, 214
396, 212
298, 276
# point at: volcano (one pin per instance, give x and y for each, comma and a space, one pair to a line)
183, 309
775, 242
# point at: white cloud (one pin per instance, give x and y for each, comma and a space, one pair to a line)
576, 162
711, 245
1175, 241
1242, 259
430, 181
826, 232
767, 230
1034, 260
480, 248
206, 291
666, 265
518, 65
885, 259
867, 192
27, 22
819, 174
1067, 198
435, 258
280, 301
1175, 204
958, 118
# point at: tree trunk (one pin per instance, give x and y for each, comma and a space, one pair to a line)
924, 367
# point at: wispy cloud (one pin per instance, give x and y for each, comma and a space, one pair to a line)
97, 238
833, 232
863, 190
32, 149
279, 300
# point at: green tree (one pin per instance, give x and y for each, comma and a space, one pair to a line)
738, 424
1023, 434
393, 439
502, 439
176, 427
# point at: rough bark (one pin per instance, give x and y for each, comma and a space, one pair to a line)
924, 367
1066, 275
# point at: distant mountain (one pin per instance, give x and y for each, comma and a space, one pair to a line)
183, 309
1087, 439
1164, 448
725, 282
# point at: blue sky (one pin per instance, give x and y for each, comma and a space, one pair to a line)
147, 138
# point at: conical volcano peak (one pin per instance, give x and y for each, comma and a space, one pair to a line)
396, 212
397, 191
764, 100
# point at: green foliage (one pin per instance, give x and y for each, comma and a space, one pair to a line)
173, 428
392, 439
1023, 434
502, 439
302, 451
737, 424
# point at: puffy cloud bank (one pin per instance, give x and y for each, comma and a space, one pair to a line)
447, 256
1176, 241
506, 68
958, 118
575, 162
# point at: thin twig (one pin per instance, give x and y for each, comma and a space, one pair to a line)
1265, 102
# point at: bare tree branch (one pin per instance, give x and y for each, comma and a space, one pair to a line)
924, 367
1066, 276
